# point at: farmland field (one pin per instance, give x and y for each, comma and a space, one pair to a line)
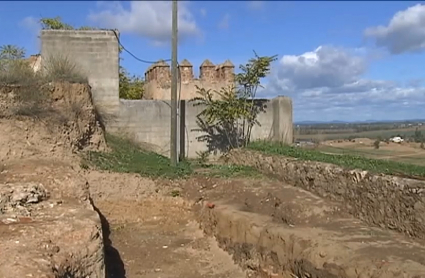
410, 153
373, 134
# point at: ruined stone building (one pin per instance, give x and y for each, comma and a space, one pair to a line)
34, 61
214, 77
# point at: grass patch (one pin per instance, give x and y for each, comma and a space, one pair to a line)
372, 134
226, 171
345, 160
127, 157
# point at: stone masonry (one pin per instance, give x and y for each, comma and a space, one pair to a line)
214, 77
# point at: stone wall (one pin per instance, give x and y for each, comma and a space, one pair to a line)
34, 61
95, 52
385, 201
214, 77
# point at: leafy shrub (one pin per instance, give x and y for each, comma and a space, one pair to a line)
376, 144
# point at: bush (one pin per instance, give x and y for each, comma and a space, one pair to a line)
376, 144
16, 73
61, 68
28, 91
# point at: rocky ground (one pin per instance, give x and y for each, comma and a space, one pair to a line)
48, 227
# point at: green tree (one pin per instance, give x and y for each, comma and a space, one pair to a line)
231, 113
418, 136
376, 144
130, 86
10, 57
13, 69
54, 23
248, 81
11, 52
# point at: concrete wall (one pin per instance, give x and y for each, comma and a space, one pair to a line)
148, 122
95, 52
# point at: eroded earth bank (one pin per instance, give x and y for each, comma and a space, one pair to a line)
60, 219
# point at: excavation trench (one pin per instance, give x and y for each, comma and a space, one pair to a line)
245, 228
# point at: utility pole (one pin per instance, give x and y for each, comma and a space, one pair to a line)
173, 135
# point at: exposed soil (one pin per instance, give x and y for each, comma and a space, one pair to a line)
152, 235
251, 218
386, 150
47, 225
270, 229
57, 219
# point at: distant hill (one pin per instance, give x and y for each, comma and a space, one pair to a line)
358, 122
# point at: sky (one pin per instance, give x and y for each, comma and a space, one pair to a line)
346, 61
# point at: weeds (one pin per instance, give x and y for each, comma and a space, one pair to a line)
175, 193
59, 68
203, 158
126, 157
30, 91
232, 171
346, 161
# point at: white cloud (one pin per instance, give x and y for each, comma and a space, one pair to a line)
328, 84
203, 12
150, 19
326, 66
256, 5
224, 22
404, 33
32, 24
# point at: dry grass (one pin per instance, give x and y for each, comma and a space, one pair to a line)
405, 153
409, 131
26, 93
60, 68
348, 161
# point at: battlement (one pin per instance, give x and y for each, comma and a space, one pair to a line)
160, 72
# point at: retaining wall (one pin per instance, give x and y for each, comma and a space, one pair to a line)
386, 201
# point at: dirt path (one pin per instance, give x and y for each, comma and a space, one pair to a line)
160, 239
274, 230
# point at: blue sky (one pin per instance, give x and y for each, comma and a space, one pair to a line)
337, 60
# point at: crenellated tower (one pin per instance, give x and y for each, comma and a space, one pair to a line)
211, 76
186, 72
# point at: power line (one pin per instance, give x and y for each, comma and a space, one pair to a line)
151, 62
175, 94
134, 56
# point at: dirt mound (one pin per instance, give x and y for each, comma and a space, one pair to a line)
60, 120
48, 227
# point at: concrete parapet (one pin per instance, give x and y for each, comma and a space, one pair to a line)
95, 54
